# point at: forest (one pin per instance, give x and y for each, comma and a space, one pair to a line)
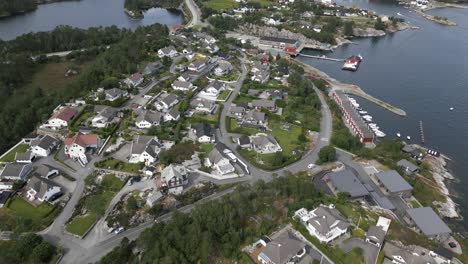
11, 7
145, 4
217, 229
24, 106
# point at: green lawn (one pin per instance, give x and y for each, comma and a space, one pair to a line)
113, 164
224, 95
219, 5
21, 216
207, 148
10, 157
80, 224
415, 204
112, 183
288, 139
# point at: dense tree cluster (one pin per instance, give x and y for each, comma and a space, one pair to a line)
223, 23
145, 4
22, 108
217, 229
10, 7
27, 248
327, 154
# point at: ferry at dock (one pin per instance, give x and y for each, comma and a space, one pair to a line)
352, 63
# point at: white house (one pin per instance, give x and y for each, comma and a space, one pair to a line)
60, 118
182, 86
214, 88
104, 117
42, 147
148, 119
187, 51
264, 143
172, 115
169, 51
166, 103
197, 66
261, 76
204, 133
145, 149
42, 189
15, 171
134, 80
203, 105
224, 67
220, 159
114, 94
77, 146
173, 179
184, 77
24, 157
324, 222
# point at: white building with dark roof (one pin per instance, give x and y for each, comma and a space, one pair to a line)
286, 248
16, 171
394, 184
148, 119
44, 146
145, 149
425, 220
220, 158
345, 182
42, 189
173, 179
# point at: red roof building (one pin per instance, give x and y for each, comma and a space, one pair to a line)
66, 114
84, 140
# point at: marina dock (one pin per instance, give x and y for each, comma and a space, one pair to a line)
320, 57
421, 131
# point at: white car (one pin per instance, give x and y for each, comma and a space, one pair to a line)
311, 165
119, 230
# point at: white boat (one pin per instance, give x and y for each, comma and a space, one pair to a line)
363, 112
398, 134
367, 117
408, 137
399, 14
451, 108
380, 134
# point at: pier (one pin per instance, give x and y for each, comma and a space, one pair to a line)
323, 57
421, 131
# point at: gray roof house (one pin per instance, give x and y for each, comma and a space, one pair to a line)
15, 171
408, 167
203, 105
428, 222
147, 119
409, 255
346, 182
238, 111
42, 189
145, 149
24, 157
375, 235
114, 94
326, 223
264, 103
181, 85
173, 179
153, 67
172, 115
204, 133
286, 248
167, 102
44, 146
45, 171
394, 184
104, 117
254, 118
264, 143
220, 159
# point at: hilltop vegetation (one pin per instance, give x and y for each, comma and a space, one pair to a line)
11, 7
145, 4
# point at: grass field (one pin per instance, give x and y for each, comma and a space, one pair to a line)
21, 216
10, 157
113, 164
224, 94
221, 4
288, 139
80, 224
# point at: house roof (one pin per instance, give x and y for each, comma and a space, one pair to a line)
14, 169
326, 219
197, 63
185, 76
206, 103
177, 171
23, 155
46, 142
237, 109
174, 113
407, 165
345, 181
243, 140
218, 153
428, 221
182, 84
114, 92
4, 195
65, 114
83, 140
376, 233
284, 69
407, 148
148, 144
108, 112
255, 115
40, 185
283, 248
382, 201
42, 170
216, 85
393, 181
135, 77
263, 103
261, 140
170, 99
149, 116
167, 50
203, 129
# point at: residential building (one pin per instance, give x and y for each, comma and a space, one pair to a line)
354, 120
257, 66
428, 223
254, 118
187, 51
153, 68
281, 43
283, 71
60, 118
408, 254
173, 179
153, 198
134, 80
4, 195
105, 117
204, 133
77, 146
264, 104
203, 105
408, 167
15, 171
214, 88
197, 66
182, 86
42, 189
169, 51
209, 39
261, 76
284, 249
224, 68
324, 222
244, 142
375, 235
166, 103
148, 119
44, 146
172, 115
212, 48
345, 182
30, 137
237, 111
220, 159
184, 77
24, 157
145, 149
394, 184
276, 95
45, 171
264, 143
114, 94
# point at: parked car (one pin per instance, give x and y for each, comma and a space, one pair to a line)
311, 165
119, 230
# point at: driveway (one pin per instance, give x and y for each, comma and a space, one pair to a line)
370, 252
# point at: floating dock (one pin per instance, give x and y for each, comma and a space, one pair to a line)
421, 131
320, 57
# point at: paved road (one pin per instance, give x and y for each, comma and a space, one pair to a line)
196, 14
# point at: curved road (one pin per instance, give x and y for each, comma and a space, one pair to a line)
196, 14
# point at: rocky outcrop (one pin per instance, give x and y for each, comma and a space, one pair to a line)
368, 32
